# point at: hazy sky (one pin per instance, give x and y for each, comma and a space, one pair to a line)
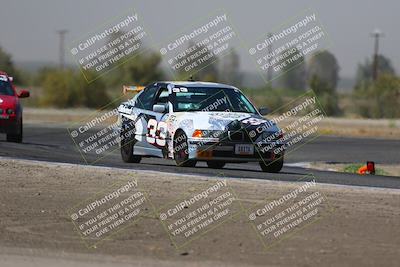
28, 28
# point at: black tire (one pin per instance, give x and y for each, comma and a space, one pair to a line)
127, 145
215, 164
17, 137
181, 153
274, 167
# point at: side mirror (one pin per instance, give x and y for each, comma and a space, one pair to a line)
263, 110
159, 108
23, 94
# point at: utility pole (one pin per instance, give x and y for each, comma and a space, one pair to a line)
376, 35
61, 47
269, 50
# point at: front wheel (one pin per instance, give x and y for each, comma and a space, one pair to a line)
274, 167
181, 151
215, 164
17, 137
127, 145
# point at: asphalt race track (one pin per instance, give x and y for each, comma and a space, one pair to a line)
52, 143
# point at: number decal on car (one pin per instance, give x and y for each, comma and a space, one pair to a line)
157, 132
253, 121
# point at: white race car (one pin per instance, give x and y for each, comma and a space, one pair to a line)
197, 121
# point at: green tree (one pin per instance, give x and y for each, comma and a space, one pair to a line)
7, 65
66, 88
39, 76
229, 69
57, 88
324, 66
141, 69
206, 71
364, 71
326, 95
380, 99
294, 73
91, 95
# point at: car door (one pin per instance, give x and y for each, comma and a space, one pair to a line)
150, 127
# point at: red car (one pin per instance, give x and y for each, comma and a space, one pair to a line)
10, 109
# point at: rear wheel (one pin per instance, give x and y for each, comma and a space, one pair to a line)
215, 164
274, 167
181, 150
127, 145
17, 137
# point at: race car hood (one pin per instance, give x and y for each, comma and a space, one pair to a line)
7, 101
220, 120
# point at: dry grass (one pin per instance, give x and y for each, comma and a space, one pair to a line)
381, 169
346, 127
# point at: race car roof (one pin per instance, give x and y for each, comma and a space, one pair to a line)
199, 84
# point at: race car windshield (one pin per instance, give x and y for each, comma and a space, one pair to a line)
211, 99
5, 88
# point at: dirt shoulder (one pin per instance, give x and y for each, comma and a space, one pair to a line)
360, 229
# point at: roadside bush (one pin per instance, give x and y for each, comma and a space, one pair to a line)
66, 88
273, 100
57, 88
142, 69
265, 97
380, 99
326, 95
90, 95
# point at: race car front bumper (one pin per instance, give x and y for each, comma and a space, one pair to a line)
8, 125
228, 151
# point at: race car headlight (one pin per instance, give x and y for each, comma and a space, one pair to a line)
207, 133
10, 111
197, 134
